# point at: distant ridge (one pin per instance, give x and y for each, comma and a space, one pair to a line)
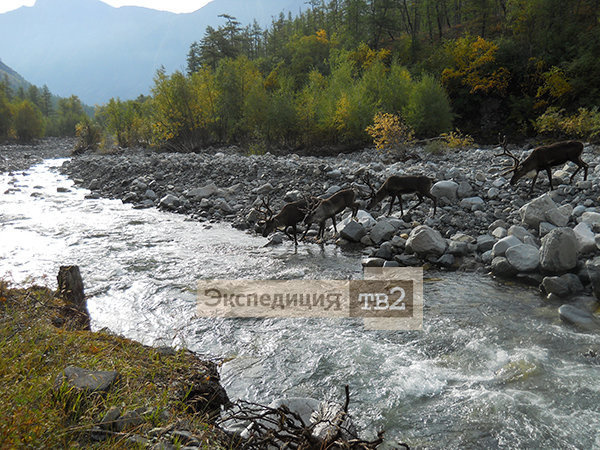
95, 51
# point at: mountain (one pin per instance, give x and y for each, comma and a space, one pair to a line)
15, 81
96, 51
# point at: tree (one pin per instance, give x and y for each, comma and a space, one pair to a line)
29, 123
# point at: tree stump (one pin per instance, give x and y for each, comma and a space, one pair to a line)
70, 289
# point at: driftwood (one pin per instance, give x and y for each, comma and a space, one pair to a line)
70, 289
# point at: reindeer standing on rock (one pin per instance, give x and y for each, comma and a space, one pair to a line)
328, 208
290, 216
395, 186
544, 158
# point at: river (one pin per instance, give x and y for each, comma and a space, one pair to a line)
493, 367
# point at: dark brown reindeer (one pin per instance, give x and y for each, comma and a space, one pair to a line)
544, 158
328, 208
290, 216
395, 186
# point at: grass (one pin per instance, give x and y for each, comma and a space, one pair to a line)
33, 352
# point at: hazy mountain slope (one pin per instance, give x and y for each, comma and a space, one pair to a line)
88, 48
14, 79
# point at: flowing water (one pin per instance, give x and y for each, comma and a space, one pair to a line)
493, 367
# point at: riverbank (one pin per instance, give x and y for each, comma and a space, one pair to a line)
61, 386
16, 157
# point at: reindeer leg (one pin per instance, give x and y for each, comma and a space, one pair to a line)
575, 173
295, 232
414, 206
549, 172
533, 183
305, 232
392, 204
334, 227
434, 198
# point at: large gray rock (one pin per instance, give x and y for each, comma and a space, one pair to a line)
542, 209
472, 203
445, 188
581, 319
485, 242
502, 268
523, 257
169, 201
520, 233
382, 231
592, 219
426, 241
558, 253
585, 237
500, 247
563, 285
352, 231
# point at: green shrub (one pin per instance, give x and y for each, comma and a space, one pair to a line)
428, 111
585, 124
88, 135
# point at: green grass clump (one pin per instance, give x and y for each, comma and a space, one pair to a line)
33, 352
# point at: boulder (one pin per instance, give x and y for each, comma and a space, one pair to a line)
523, 257
382, 231
464, 189
445, 188
562, 286
542, 209
502, 268
519, 232
558, 253
585, 237
500, 247
424, 240
169, 201
352, 231
592, 219
485, 242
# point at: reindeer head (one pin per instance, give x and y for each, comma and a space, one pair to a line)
517, 169
267, 219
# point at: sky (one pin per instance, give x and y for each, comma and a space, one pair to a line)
177, 6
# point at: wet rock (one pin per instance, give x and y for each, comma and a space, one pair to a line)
446, 260
385, 251
559, 251
562, 286
500, 247
523, 257
445, 188
373, 262
407, 260
458, 248
424, 240
581, 319
502, 268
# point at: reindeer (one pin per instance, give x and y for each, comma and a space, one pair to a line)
328, 208
290, 215
395, 186
544, 158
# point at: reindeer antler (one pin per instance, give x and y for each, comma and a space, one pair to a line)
506, 152
264, 210
366, 178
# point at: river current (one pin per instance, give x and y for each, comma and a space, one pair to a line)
494, 367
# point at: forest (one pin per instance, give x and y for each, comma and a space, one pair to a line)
344, 68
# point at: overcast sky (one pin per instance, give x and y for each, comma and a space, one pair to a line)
178, 6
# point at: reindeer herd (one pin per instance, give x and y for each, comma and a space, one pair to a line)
310, 210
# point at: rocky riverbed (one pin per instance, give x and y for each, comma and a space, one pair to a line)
549, 238
15, 157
